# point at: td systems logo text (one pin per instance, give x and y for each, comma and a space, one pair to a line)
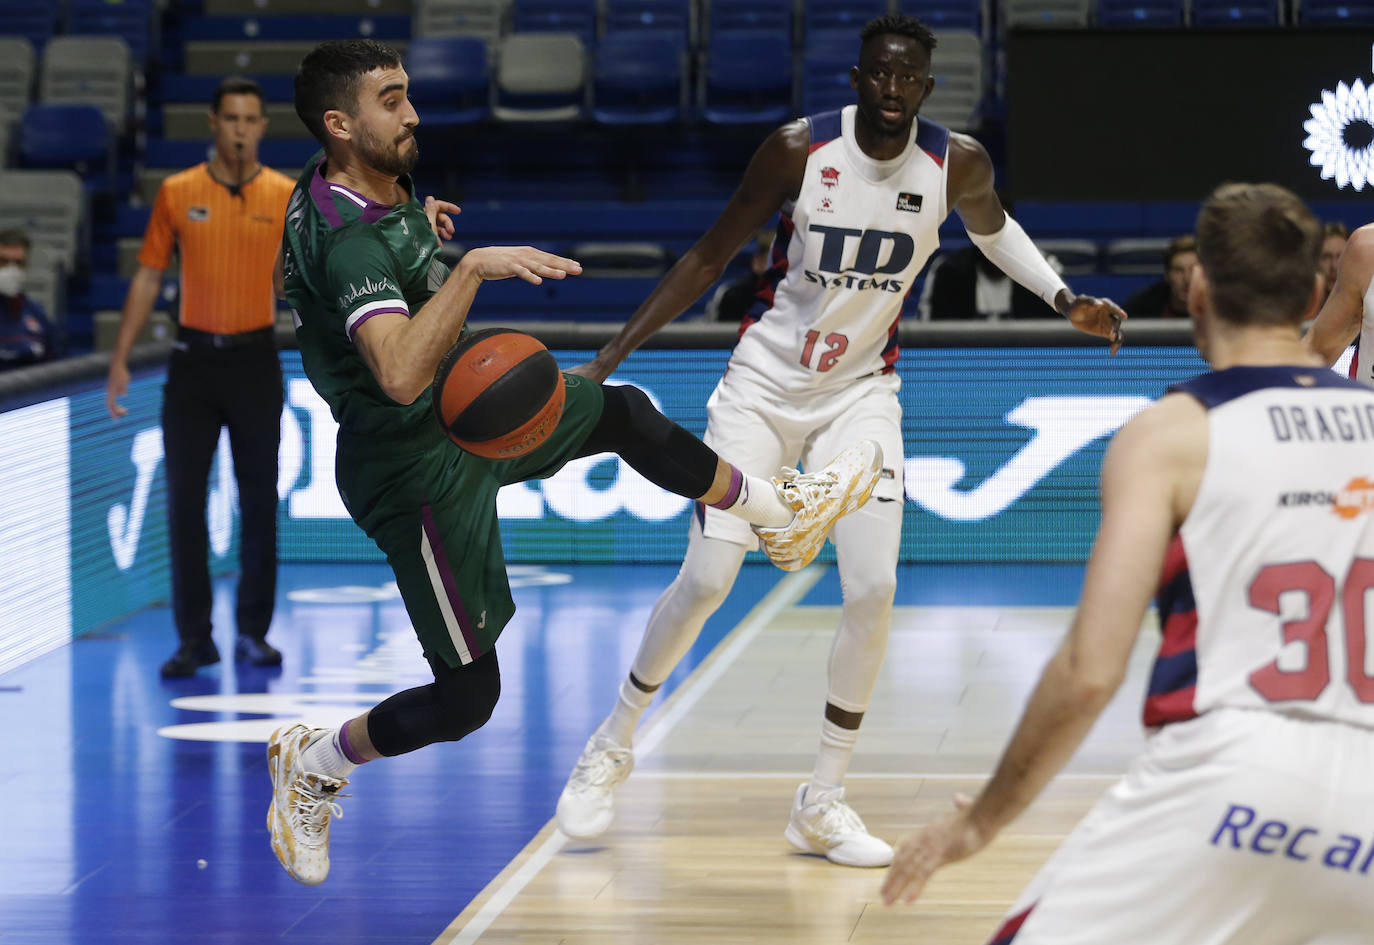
853, 258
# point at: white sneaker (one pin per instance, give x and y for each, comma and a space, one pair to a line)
587, 804
828, 826
818, 498
302, 803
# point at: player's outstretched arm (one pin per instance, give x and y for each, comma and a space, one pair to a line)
403, 353
1338, 323
1004, 242
773, 176
1149, 479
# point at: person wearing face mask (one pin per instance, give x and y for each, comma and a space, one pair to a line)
26, 334
224, 217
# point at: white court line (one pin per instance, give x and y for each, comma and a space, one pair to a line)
788, 592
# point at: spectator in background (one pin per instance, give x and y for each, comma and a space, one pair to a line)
1334, 237
731, 301
1168, 298
26, 333
225, 218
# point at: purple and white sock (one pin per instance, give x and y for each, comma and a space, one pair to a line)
755, 500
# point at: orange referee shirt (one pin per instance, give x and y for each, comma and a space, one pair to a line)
228, 246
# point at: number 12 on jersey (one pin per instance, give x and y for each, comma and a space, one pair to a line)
836, 345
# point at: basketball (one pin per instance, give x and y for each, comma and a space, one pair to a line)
498, 393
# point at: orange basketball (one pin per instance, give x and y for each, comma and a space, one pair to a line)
498, 393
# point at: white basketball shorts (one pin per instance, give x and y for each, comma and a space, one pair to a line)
1241, 827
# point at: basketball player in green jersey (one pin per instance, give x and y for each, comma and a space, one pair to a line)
375, 311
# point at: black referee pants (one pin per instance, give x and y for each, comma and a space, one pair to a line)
207, 389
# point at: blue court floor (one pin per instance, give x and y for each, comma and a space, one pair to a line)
135, 808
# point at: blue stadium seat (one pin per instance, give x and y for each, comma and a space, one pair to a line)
134, 21
1337, 13
825, 79
450, 79
35, 20
751, 15
555, 16
841, 14
670, 16
288, 28
1140, 13
946, 14
747, 77
68, 136
1229, 13
637, 79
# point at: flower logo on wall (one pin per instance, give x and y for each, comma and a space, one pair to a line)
1340, 135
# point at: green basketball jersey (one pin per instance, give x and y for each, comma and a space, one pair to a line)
346, 259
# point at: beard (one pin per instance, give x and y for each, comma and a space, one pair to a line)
394, 159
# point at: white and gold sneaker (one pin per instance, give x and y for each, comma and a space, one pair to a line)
828, 826
587, 804
302, 804
819, 498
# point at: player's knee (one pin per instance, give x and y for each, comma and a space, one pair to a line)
705, 586
467, 699
869, 593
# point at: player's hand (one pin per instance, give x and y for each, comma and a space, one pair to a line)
441, 213
1101, 317
116, 386
946, 839
524, 262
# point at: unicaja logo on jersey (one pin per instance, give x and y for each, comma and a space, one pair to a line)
1340, 135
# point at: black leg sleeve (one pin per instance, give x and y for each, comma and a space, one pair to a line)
456, 704
658, 449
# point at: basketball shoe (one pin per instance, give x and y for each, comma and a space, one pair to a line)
828, 826
302, 803
587, 804
818, 498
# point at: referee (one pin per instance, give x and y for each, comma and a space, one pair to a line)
224, 217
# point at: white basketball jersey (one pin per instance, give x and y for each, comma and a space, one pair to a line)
844, 257
1362, 367
1267, 597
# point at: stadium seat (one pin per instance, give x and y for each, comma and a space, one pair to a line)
673, 17
1336, 13
45, 281
1231, 13
51, 207
947, 14
70, 136
34, 20
750, 15
16, 77
540, 77
1076, 257
1136, 256
630, 260
637, 79
1123, 14
89, 70
747, 78
459, 18
555, 16
848, 15
134, 21
1052, 14
825, 78
450, 80
958, 69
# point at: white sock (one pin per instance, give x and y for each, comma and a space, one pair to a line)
620, 725
326, 756
832, 761
755, 500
